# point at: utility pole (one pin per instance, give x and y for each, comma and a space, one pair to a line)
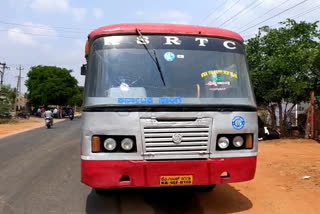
312, 115
18, 89
4, 67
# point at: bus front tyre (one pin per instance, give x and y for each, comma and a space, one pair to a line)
103, 192
206, 188
99, 191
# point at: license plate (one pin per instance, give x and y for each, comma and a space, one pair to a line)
176, 180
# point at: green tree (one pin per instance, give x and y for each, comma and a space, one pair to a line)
7, 96
283, 66
50, 85
77, 98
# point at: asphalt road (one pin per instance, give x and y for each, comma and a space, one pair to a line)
40, 173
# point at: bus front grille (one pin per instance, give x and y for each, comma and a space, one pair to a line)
176, 140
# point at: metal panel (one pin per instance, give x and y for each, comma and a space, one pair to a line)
159, 143
170, 134
156, 130
172, 144
154, 139
177, 148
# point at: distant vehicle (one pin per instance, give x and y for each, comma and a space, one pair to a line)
48, 122
23, 115
65, 111
71, 116
35, 111
5, 115
48, 117
167, 105
265, 132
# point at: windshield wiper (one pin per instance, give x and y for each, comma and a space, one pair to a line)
155, 58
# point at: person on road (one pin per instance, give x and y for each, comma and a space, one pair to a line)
48, 114
71, 113
55, 113
43, 110
39, 112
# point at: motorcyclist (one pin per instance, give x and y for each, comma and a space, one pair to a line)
39, 112
55, 113
71, 113
49, 114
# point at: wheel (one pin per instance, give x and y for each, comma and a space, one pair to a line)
48, 126
99, 191
104, 192
206, 188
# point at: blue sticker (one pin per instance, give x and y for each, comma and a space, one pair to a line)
238, 122
169, 56
147, 100
166, 100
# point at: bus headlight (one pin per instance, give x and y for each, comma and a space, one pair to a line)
237, 141
110, 144
127, 144
223, 142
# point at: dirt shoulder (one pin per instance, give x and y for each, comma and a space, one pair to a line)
279, 186
21, 125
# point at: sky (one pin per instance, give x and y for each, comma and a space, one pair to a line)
53, 32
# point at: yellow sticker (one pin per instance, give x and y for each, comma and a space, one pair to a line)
224, 72
176, 180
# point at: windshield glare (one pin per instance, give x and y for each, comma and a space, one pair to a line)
195, 70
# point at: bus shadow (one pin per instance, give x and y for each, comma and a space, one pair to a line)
223, 199
107, 203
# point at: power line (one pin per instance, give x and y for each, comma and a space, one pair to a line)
39, 64
292, 17
252, 8
243, 10
212, 10
275, 15
300, 14
226, 10
65, 29
33, 34
255, 6
305, 12
282, 3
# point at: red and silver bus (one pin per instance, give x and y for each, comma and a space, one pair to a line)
167, 105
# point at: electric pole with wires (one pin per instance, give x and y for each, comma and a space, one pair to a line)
18, 89
4, 67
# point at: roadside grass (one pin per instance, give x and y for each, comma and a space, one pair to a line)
8, 121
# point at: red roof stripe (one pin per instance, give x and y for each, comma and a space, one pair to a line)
164, 28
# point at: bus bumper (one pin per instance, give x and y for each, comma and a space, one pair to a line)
130, 173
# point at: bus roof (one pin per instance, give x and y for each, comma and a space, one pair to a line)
165, 29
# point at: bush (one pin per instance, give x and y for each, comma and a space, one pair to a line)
7, 96
7, 121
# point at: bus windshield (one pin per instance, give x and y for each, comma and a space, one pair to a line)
171, 70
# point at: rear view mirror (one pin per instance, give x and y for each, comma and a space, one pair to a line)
84, 69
